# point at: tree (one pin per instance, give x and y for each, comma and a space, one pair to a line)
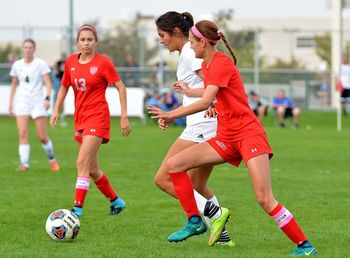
123, 40
282, 64
7, 50
241, 42
324, 48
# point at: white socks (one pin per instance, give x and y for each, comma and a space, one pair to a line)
24, 152
48, 148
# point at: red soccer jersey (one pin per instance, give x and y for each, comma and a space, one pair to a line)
236, 120
89, 82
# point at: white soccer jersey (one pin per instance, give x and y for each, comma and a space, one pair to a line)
345, 75
30, 77
186, 72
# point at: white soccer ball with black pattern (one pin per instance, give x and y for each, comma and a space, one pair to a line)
62, 225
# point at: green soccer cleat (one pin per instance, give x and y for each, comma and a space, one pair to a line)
217, 225
228, 243
305, 249
190, 229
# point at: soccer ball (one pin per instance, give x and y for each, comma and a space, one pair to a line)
62, 225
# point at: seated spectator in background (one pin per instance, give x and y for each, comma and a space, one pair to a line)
284, 107
169, 101
259, 109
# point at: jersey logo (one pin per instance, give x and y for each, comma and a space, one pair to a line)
72, 69
93, 69
27, 79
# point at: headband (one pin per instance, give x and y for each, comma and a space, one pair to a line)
198, 34
89, 27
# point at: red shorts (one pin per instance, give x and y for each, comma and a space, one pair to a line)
245, 149
99, 132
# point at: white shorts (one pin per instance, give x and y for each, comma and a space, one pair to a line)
199, 132
34, 109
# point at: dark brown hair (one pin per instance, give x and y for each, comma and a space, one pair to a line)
171, 20
209, 30
89, 28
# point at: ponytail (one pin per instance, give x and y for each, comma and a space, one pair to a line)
221, 35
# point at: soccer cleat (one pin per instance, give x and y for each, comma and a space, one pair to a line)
23, 168
228, 243
54, 166
77, 211
190, 229
118, 205
217, 225
305, 249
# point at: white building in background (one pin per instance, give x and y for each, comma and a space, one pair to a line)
285, 38
278, 38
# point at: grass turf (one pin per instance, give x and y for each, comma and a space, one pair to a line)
310, 176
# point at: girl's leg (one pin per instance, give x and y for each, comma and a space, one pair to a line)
207, 203
259, 170
88, 150
162, 179
23, 139
102, 183
177, 166
46, 143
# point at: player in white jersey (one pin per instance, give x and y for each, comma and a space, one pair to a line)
173, 29
27, 100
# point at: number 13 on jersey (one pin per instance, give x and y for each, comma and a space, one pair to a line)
80, 84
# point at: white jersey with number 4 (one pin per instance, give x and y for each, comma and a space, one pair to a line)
30, 77
186, 72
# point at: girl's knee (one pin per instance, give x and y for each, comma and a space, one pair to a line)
161, 181
266, 201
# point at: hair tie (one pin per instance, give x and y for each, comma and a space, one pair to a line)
219, 32
198, 34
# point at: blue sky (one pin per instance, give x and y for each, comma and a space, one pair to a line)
55, 12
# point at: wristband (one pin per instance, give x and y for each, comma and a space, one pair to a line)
47, 98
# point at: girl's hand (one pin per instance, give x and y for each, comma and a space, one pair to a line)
211, 112
125, 126
158, 113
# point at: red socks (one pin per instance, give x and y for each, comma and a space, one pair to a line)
287, 223
105, 187
81, 189
184, 191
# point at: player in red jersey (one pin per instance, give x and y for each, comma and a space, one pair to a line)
239, 137
89, 73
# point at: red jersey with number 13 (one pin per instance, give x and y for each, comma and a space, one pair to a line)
89, 82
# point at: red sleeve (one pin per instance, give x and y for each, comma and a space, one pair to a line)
110, 72
220, 72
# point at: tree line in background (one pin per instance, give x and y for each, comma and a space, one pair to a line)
124, 39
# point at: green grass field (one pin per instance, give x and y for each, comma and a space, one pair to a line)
310, 175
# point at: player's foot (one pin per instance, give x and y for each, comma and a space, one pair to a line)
225, 239
217, 225
23, 168
77, 211
228, 243
117, 206
194, 226
54, 165
63, 123
305, 249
